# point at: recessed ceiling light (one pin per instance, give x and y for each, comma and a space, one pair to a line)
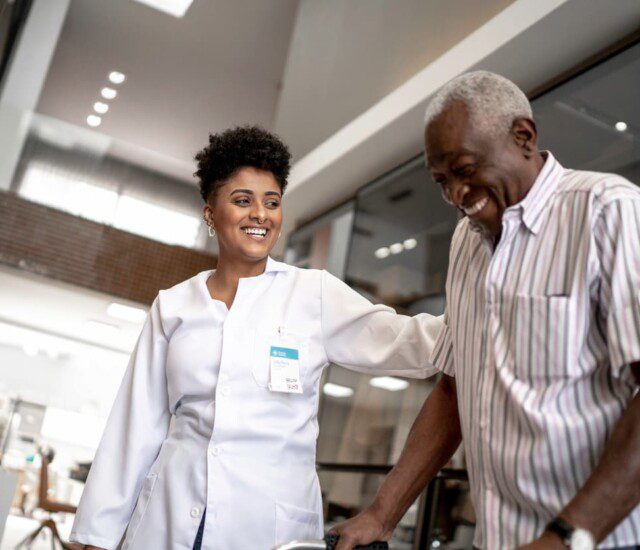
389, 383
93, 120
100, 107
410, 243
336, 390
621, 126
108, 93
382, 252
117, 77
177, 8
126, 313
396, 248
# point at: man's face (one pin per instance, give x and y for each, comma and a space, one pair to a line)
480, 174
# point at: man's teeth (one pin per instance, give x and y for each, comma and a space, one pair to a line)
255, 231
476, 207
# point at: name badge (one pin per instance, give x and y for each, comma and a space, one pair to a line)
284, 370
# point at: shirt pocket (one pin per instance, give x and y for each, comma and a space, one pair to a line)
140, 509
540, 340
293, 523
260, 362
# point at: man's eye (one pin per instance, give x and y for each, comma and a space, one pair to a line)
465, 170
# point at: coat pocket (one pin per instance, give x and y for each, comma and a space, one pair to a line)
140, 509
262, 342
293, 523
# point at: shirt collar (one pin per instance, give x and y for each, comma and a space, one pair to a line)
537, 201
273, 265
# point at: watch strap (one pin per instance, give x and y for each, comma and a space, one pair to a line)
561, 528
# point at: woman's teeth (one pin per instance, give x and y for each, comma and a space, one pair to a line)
474, 209
255, 232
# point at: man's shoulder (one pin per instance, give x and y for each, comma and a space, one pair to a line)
603, 188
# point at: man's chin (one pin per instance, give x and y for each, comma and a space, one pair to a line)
480, 226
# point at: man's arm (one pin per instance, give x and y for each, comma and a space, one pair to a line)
612, 490
434, 437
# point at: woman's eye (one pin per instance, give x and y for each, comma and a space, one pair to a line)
273, 204
242, 201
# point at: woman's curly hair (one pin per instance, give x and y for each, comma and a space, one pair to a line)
236, 148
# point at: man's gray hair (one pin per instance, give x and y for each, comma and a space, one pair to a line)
493, 101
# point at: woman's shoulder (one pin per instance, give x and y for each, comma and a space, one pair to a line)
182, 293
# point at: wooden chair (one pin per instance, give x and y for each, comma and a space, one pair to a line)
51, 506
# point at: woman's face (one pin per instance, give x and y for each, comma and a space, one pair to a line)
246, 214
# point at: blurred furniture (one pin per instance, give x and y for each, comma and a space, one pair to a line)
50, 507
8, 483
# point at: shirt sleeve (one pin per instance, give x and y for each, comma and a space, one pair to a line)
135, 430
617, 240
442, 356
372, 338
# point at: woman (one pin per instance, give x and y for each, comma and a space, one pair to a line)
235, 357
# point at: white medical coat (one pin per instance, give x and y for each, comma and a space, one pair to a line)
243, 453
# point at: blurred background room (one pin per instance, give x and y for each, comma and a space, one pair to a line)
103, 104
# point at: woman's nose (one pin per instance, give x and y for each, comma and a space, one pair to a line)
259, 213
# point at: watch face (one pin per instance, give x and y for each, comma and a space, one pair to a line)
582, 540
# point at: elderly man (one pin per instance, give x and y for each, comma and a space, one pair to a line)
540, 352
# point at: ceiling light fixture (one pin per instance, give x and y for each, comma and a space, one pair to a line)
177, 8
108, 93
94, 120
336, 390
100, 107
396, 248
389, 383
117, 77
382, 253
410, 243
621, 126
126, 313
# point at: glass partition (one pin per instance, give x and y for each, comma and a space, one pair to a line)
592, 122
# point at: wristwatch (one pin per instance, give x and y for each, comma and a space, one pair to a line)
573, 538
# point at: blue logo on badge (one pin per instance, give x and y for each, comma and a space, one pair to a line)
284, 353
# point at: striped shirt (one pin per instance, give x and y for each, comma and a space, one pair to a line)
539, 334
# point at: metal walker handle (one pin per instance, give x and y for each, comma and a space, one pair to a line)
329, 543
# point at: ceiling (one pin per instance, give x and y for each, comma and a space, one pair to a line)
219, 66
302, 68
345, 56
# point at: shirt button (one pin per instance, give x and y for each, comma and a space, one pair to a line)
215, 451
225, 391
224, 377
195, 512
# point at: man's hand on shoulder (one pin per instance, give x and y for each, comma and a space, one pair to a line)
364, 528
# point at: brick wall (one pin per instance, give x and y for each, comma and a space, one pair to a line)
55, 244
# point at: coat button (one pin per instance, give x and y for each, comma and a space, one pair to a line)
195, 512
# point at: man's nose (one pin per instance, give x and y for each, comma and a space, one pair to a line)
454, 192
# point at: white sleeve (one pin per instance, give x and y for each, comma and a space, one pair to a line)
136, 428
374, 339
